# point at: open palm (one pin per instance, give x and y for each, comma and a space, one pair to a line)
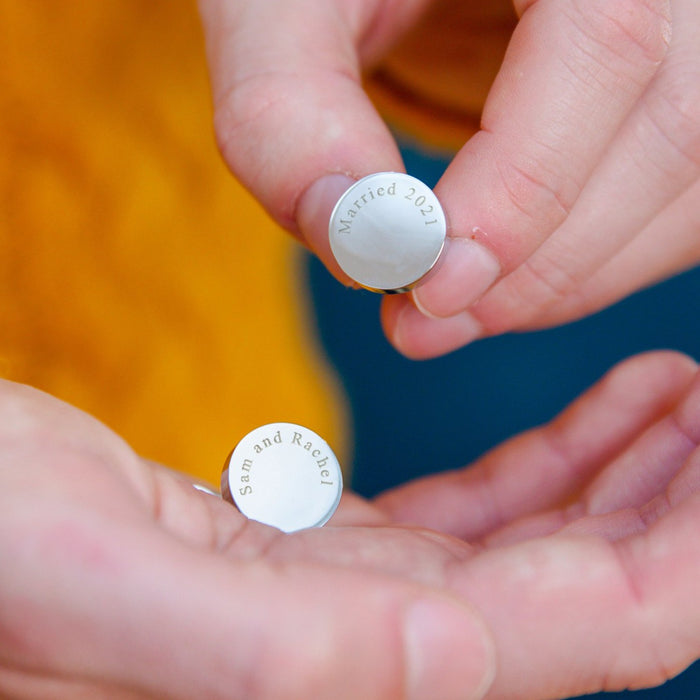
564, 561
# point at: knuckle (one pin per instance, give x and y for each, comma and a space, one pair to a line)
247, 118
332, 656
238, 113
549, 280
17, 419
302, 670
675, 109
541, 282
524, 297
541, 194
632, 29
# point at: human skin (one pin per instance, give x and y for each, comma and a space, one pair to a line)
564, 561
581, 185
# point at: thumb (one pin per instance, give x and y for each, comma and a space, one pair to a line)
133, 606
179, 623
262, 632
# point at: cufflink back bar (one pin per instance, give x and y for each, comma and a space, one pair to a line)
387, 232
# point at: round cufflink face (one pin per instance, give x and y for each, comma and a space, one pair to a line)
387, 231
283, 475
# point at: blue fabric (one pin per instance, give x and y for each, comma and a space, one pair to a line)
411, 418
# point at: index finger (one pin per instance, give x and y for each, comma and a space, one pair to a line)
572, 73
289, 103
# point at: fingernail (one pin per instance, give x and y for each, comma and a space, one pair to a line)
466, 270
313, 214
419, 337
448, 651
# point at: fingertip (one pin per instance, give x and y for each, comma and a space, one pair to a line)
466, 271
663, 374
390, 310
419, 337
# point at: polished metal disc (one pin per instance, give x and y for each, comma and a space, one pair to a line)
283, 475
387, 231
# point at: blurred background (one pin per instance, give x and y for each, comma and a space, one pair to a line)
141, 283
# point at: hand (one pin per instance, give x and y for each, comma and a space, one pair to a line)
126, 582
120, 580
582, 185
586, 555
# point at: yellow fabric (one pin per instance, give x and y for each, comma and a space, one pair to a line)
433, 84
138, 281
